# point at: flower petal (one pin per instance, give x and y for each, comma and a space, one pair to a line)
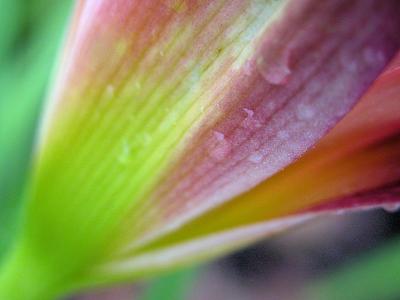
355, 166
164, 110
269, 126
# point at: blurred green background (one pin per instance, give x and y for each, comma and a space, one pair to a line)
30, 35
334, 259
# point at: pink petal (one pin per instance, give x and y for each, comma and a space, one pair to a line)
266, 124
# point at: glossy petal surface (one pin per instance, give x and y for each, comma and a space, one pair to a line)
163, 111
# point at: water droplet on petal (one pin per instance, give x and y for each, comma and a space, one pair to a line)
305, 112
249, 112
146, 139
221, 149
340, 212
348, 62
219, 136
283, 135
373, 56
195, 76
248, 68
138, 85
255, 158
125, 153
276, 73
110, 90
250, 122
391, 207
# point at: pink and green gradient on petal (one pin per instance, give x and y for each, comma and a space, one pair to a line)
178, 130
355, 166
262, 131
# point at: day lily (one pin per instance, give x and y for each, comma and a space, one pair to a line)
179, 130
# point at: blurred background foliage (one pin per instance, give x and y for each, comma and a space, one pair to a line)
30, 35
343, 257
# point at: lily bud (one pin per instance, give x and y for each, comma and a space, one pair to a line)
179, 130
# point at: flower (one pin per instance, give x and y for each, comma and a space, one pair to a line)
179, 130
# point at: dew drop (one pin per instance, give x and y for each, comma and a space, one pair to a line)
305, 112
125, 153
340, 212
391, 207
255, 158
146, 138
283, 135
249, 112
195, 76
250, 122
222, 148
221, 151
110, 90
138, 85
219, 136
348, 62
373, 56
248, 68
276, 73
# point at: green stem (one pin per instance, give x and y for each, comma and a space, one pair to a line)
23, 277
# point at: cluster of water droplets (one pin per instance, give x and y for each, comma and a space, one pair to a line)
369, 56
